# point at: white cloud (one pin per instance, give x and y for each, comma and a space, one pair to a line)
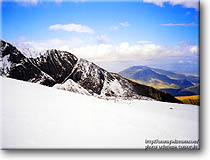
194, 49
114, 28
127, 52
180, 61
144, 42
27, 2
184, 3
21, 38
72, 28
179, 24
104, 52
125, 24
102, 39
58, 1
121, 24
54, 43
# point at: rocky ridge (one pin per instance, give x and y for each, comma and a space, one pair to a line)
63, 70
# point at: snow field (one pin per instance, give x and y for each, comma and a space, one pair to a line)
36, 116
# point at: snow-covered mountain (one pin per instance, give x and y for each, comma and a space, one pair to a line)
64, 70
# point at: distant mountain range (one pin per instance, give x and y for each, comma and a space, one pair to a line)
63, 70
174, 83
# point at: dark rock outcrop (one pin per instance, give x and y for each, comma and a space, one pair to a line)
16, 65
57, 64
90, 76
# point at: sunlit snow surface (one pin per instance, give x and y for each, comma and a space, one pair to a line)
36, 116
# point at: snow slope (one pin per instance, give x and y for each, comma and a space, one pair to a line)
36, 116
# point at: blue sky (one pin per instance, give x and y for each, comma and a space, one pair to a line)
122, 33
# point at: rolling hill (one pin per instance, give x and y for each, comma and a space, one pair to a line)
176, 84
195, 100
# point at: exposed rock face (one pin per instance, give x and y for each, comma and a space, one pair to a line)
65, 71
15, 65
57, 64
90, 76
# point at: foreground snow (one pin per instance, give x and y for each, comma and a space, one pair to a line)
35, 116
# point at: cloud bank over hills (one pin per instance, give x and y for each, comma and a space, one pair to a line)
104, 51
